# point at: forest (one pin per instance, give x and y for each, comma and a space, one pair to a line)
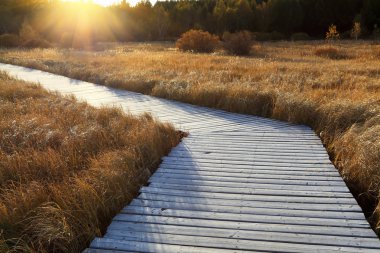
57, 21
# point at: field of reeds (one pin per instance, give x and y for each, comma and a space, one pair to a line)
334, 88
67, 168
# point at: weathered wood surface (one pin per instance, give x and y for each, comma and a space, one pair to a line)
237, 183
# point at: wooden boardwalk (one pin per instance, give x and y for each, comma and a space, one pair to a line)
237, 183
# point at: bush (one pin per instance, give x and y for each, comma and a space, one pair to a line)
356, 30
332, 34
197, 41
300, 36
9, 40
239, 43
328, 52
37, 42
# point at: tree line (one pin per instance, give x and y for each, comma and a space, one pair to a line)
59, 21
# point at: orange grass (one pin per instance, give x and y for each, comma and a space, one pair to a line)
339, 99
67, 168
329, 52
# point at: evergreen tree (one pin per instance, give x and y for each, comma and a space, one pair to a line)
219, 14
286, 16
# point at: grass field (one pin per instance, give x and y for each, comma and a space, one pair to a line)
67, 168
337, 94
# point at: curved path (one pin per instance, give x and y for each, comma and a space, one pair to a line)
237, 183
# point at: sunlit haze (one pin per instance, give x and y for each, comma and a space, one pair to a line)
109, 2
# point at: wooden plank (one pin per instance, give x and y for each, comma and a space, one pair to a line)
248, 140
253, 147
279, 166
266, 166
251, 180
129, 245
233, 244
268, 161
229, 126
251, 203
251, 191
124, 228
240, 217
250, 226
244, 152
202, 140
286, 144
251, 123
250, 170
246, 174
249, 150
242, 132
247, 210
161, 181
227, 196
182, 149
249, 158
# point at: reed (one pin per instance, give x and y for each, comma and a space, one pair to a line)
67, 168
338, 98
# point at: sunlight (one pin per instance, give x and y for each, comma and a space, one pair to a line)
107, 2
100, 2
81, 24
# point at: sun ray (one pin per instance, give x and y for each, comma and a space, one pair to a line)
106, 2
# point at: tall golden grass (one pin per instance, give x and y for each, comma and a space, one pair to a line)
67, 168
338, 98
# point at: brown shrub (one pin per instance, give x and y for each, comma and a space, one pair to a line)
9, 40
63, 178
197, 41
238, 43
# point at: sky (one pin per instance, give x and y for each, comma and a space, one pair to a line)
110, 2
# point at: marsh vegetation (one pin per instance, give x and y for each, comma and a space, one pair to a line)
339, 97
67, 168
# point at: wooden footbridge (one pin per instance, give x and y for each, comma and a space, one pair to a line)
237, 183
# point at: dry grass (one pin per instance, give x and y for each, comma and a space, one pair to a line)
329, 52
67, 168
339, 99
